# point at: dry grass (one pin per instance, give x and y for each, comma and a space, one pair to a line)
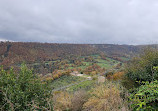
64, 101
79, 98
106, 98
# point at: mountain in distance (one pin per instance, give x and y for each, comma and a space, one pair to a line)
12, 53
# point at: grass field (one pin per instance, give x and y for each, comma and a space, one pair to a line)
64, 81
108, 63
86, 85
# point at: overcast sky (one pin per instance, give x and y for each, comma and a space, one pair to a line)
80, 21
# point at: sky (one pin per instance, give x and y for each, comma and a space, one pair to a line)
80, 21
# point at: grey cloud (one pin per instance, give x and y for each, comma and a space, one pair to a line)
80, 21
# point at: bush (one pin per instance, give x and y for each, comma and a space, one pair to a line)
116, 76
141, 68
79, 98
106, 98
62, 101
65, 101
22, 91
128, 83
146, 97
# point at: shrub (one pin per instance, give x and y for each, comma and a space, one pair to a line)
128, 83
62, 101
106, 98
65, 101
146, 97
141, 68
116, 76
79, 98
21, 91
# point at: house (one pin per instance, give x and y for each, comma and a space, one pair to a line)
89, 78
80, 75
101, 79
74, 73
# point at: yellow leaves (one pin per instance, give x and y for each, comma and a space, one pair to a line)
104, 98
116, 76
49, 78
62, 101
68, 101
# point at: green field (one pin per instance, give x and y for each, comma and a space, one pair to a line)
108, 63
86, 85
65, 80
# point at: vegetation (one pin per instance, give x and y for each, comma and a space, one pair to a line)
145, 97
65, 80
106, 97
72, 77
42, 56
65, 101
23, 91
143, 70
143, 67
85, 85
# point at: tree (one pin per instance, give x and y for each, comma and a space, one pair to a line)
145, 98
141, 68
22, 91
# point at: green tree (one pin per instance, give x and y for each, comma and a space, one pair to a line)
22, 91
142, 68
145, 98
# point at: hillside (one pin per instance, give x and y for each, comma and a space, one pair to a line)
15, 53
117, 50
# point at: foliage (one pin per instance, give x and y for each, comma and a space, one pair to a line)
128, 83
106, 97
65, 101
146, 97
94, 69
116, 76
46, 57
59, 73
17, 52
62, 101
22, 91
141, 68
79, 98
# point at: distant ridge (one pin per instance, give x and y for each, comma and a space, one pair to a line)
16, 52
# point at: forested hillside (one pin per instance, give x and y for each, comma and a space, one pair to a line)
46, 57
17, 52
117, 50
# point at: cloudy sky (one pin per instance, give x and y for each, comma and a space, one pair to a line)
80, 21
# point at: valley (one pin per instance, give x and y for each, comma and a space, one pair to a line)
77, 74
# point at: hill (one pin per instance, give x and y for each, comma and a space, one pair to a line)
45, 55
18, 52
117, 50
